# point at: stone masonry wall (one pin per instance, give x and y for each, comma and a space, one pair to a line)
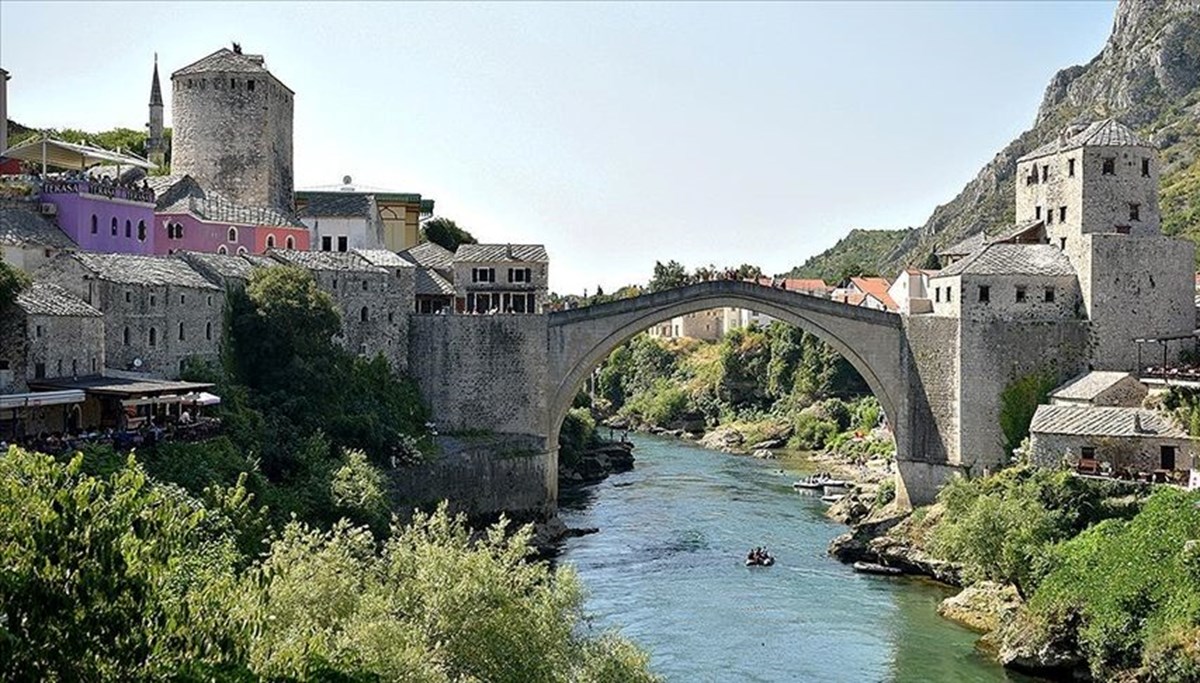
1140, 453
1059, 189
1106, 198
481, 372
933, 344
387, 299
68, 346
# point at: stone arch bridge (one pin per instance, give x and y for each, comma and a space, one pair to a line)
515, 376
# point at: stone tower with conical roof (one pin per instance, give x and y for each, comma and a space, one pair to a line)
156, 145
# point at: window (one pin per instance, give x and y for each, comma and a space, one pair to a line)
483, 275
74, 367
1145, 168
232, 83
326, 243
39, 371
1062, 243
335, 283
1135, 211
232, 235
208, 331
114, 226
3, 365
128, 228
1110, 166
209, 297
341, 243
93, 366
141, 231
270, 241
125, 337
95, 224
153, 337
1062, 214
1050, 215
1037, 212
985, 294
1045, 172
391, 317
1048, 295
937, 294
948, 297
1122, 229
181, 299
1071, 168
291, 242
520, 275
1166, 457
38, 331
1087, 452
364, 315
250, 86
1020, 293
128, 296
58, 368
241, 251
364, 285
222, 250
153, 300
180, 331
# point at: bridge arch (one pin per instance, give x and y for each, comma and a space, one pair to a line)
871, 341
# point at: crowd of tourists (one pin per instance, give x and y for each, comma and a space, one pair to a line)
76, 182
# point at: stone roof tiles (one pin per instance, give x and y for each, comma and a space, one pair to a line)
1105, 133
1013, 259
21, 224
334, 204
964, 246
44, 298
344, 261
430, 283
493, 253
224, 60
214, 208
384, 258
1089, 385
429, 255
1103, 421
226, 266
143, 270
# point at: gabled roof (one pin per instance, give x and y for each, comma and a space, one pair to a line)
224, 60
133, 269
340, 261
171, 189
1015, 232
334, 204
429, 255
1105, 133
878, 288
964, 246
21, 224
1089, 385
430, 283
494, 253
383, 258
44, 298
1103, 421
1013, 259
214, 208
225, 266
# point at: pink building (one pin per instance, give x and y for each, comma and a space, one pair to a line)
190, 219
103, 217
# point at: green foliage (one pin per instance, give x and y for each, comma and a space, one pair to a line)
123, 578
577, 434
357, 488
745, 356
813, 432
1019, 401
12, 283
662, 403
446, 233
859, 252
886, 493
1132, 588
1002, 527
668, 276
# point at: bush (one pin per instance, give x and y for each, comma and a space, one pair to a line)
357, 488
812, 432
577, 435
1018, 402
663, 403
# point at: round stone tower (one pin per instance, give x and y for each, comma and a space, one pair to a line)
233, 128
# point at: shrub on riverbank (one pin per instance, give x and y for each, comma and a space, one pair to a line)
119, 577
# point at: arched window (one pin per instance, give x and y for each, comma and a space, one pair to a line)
153, 337
241, 251
95, 224
180, 331
125, 337
232, 234
363, 315
128, 228
179, 231
141, 231
270, 241
222, 250
114, 226
291, 242
208, 331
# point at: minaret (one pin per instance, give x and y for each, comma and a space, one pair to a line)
155, 145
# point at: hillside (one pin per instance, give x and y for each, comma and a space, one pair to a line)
1147, 75
861, 250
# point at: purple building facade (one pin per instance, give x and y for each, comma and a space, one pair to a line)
104, 219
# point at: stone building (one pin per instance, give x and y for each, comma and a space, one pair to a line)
1095, 189
433, 275
501, 278
373, 302
233, 129
1111, 440
27, 238
226, 271
159, 313
189, 218
348, 216
1008, 282
1101, 388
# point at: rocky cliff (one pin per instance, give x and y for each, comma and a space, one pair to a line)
1147, 75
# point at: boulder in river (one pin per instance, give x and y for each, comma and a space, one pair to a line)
983, 606
725, 439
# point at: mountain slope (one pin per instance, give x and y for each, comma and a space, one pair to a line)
1147, 75
860, 251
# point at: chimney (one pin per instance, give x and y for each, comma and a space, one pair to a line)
1137, 423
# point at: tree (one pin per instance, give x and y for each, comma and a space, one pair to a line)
668, 276
12, 283
446, 233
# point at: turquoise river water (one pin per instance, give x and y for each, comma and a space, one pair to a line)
666, 570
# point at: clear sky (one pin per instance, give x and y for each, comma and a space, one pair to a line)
615, 134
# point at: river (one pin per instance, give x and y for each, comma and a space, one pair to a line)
666, 570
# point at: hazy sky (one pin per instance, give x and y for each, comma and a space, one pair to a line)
615, 134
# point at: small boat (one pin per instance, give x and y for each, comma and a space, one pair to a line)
832, 498
765, 562
877, 569
840, 487
810, 483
